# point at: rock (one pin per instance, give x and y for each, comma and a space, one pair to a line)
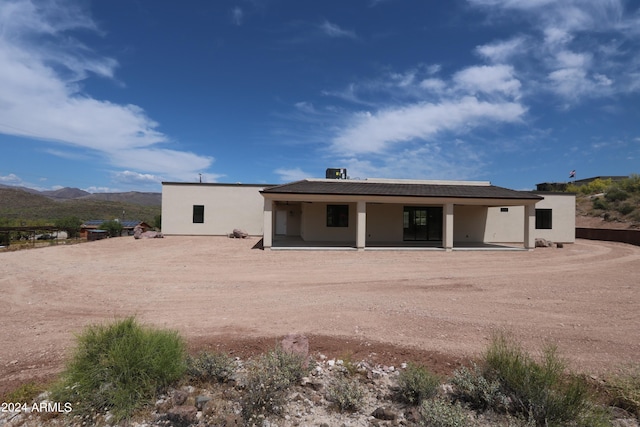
240, 234
182, 415
384, 413
179, 397
542, 243
298, 345
201, 401
139, 234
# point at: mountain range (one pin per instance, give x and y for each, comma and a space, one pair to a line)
26, 204
68, 193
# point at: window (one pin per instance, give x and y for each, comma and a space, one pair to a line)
198, 214
543, 219
337, 215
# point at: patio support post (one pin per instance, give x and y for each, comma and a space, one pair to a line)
448, 227
361, 226
529, 226
267, 237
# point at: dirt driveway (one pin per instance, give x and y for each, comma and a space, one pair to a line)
218, 292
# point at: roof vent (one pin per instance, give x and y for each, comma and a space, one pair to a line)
336, 173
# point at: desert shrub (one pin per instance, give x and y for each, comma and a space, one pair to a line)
348, 366
625, 208
25, 393
600, 204
417, 383
346, 393
441, 413
541, 390
119, 367
268, 378
473, 388
631, 184
616, 194
596, 186
210, 367
624, 389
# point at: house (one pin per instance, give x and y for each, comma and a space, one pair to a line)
94, 224
371, 213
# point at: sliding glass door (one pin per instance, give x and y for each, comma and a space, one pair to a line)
422, 223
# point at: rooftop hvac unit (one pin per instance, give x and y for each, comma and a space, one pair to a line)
336, 173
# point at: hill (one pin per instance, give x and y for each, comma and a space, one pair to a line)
17, 205
65, 193
607, 204
132, 197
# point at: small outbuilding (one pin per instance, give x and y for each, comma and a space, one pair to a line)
127, 227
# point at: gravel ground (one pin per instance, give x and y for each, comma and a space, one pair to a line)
434, 307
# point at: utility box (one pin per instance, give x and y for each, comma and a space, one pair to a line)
336, 173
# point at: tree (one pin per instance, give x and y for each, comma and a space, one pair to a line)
70, 224
114, 228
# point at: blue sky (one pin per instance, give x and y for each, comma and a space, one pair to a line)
121, 95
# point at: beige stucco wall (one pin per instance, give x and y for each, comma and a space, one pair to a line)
508, 226
226, 206
313, 225
384, 223
505, 226
469, 223
563, 217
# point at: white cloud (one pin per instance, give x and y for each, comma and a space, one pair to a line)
333, 30
237, 16
374, 133
11, 179
40, 96
436, 160
293, 174
94, 189
502, 51
488, 79
573, 47
434, 85
130, 177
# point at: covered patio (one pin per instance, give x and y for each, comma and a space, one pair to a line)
392, 214
296, 243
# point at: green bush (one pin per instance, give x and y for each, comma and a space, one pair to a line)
416, 384
616, 195
540, 390
600, 204
471, 386
624, 389
25, 393
631, 184
625, 208
346, 393
268, 378
119, 367
441, 413
210, 367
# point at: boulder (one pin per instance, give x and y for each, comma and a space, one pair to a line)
543, 243
240, 234
139, 234
384, 413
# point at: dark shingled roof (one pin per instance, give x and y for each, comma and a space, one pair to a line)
372, 188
